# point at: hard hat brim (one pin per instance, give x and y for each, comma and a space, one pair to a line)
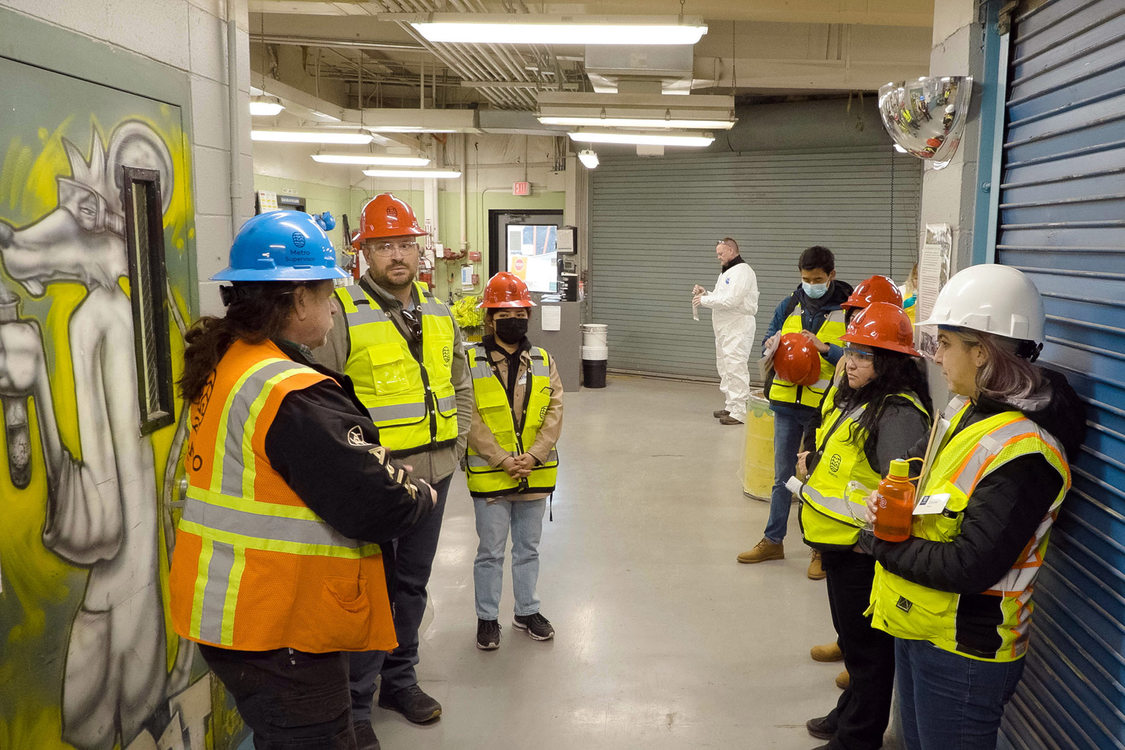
311, 273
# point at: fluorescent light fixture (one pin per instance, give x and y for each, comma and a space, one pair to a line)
632, 110
311, 136
388, 161
485, 28
589, 158
644, 139
438, 174
619, 122
265, 106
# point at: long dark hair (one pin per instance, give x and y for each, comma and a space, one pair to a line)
895, 373
256, 311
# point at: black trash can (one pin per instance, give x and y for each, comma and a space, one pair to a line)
593, 373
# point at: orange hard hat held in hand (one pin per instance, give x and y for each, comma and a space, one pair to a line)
797, 360
875, 289
884, 326
506, 290
386, 216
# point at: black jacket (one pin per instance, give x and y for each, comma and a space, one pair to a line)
1004, 509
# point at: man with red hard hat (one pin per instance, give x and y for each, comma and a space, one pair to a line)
813, 311
403, 352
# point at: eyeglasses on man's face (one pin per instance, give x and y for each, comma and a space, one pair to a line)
389, 249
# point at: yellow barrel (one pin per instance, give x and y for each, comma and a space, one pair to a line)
757, 453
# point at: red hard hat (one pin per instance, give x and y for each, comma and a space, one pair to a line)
506, 290
386, 216
875, 289
883, 326
797, 360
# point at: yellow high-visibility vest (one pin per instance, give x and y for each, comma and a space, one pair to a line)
255, 568
910, 610
413, 404
492, 404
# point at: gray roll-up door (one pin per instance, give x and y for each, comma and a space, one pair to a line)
654, 224
1062, 220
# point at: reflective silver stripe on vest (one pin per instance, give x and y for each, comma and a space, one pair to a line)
837, 505
552, 458
477, 462
988, 447
365, 312
215, 593
431, 307
237, 417
380, 414
261, 528
539, 367
480, 371
446, 403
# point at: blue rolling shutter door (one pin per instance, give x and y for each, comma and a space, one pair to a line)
1062, 220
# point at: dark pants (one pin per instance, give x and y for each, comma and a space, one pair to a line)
414, 558
949, 701
290, 699
869, 654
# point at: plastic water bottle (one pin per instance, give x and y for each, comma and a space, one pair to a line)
694, 312
895, 504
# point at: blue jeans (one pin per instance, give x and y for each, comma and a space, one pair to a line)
414, 558
525, 518
787, 429
948, 701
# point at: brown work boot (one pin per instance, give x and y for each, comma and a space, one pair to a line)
827, 652
843, 680
816, 572
720, 413
763, 550
729, 420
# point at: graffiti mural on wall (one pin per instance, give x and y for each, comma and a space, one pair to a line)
87, 659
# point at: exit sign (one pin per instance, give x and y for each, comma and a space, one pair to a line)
521, 188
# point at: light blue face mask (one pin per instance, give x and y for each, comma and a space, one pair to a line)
815, 291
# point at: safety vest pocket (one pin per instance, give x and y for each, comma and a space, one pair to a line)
388, 369
911, 610
350, 625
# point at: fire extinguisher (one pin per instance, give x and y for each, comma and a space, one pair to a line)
426, 270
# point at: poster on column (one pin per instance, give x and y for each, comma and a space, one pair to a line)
89, 498
933, 272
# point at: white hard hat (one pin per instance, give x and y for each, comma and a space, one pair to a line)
993, 299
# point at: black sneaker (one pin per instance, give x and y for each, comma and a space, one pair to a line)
822, 727
412, 703
488, 635
536, 625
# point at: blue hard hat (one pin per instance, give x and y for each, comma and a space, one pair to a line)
281, 246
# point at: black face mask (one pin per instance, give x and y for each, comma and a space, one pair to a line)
511, 330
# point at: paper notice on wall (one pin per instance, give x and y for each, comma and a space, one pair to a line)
267, 201
933, 272
466, 277
551, 317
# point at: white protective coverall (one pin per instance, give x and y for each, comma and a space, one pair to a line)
733, 303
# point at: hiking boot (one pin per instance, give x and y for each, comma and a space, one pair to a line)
720, 413
536, 625
816, 571
729, 420
843, 680
763, 550
827, 652
822, 728
412, 703
488, 635
365, 738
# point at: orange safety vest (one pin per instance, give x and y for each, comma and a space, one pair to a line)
254, 568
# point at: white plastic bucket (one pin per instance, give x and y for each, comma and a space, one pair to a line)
595, 352
595, 335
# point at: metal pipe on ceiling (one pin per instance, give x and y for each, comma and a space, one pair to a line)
309, 41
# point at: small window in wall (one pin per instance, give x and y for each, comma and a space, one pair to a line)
144, 239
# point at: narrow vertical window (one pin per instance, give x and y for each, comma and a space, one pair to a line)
144, 238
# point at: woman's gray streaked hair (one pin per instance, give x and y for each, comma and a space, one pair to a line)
1006, 376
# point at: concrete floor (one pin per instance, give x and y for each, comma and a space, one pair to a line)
663, 639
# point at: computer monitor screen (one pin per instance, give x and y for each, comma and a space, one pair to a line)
532, 255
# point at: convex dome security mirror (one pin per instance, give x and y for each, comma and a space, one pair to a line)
926, 117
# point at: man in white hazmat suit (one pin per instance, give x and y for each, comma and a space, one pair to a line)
733, 303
